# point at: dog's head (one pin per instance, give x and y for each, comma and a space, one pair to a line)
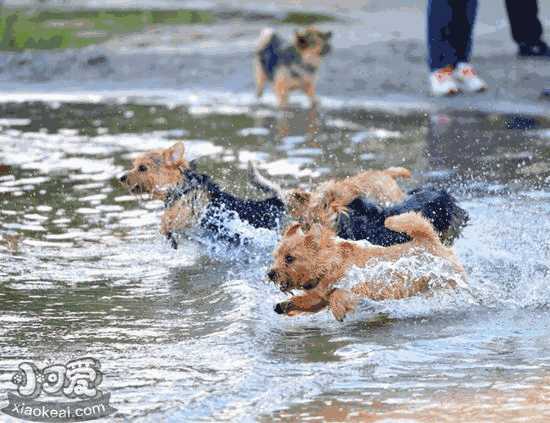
304, 258
321, 206
313, 42
155, 170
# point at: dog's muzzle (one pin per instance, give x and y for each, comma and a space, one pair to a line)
282, 308
123, 178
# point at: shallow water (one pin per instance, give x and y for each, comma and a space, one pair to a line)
190, 334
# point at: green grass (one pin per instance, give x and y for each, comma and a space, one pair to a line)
299, 18
31, 29
49, 29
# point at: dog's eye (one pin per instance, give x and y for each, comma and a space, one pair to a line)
289, 259
142, 168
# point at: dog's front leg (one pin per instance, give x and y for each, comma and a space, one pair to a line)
311, 302
172, 240
309, 89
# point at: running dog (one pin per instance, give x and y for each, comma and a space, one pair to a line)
333, 195
290, 67
316, 260
167, 175
356, 207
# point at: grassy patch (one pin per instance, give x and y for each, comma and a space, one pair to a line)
299, 18
49, 29
24, 29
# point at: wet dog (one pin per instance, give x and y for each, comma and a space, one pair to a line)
323, 203
356, 207
316, 260
290, 67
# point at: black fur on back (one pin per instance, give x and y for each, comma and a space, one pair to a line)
276, 53
258, 213
364, 219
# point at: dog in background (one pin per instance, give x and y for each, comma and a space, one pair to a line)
322, 204
290, 67
316, 260
355, 207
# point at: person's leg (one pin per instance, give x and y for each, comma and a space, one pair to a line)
462, 29
465, 14
526, 28
441, 52
524, 23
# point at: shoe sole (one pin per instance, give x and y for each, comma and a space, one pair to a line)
447, 94
479, 90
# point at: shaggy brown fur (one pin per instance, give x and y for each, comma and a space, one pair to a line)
331, 198
317, 259
310, 45
154, 172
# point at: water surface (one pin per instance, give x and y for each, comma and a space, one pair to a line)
190, 334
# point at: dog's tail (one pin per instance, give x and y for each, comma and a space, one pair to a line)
266, 36
262, 183
413, 224
440, 208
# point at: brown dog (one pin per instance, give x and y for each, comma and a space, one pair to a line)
332, 196
316, 260
290, 67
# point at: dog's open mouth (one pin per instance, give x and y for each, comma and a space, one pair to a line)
311, 284
286, 286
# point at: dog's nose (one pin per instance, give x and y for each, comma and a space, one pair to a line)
272, 275
123, 178
279, 308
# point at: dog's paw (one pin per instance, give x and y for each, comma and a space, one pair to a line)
341, 303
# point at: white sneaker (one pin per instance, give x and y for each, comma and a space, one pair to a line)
442, 82
466, 76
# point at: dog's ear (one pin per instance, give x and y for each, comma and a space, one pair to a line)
327, 35
302, 197
293, 229
174, 155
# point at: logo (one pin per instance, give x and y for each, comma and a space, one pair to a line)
76, 380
